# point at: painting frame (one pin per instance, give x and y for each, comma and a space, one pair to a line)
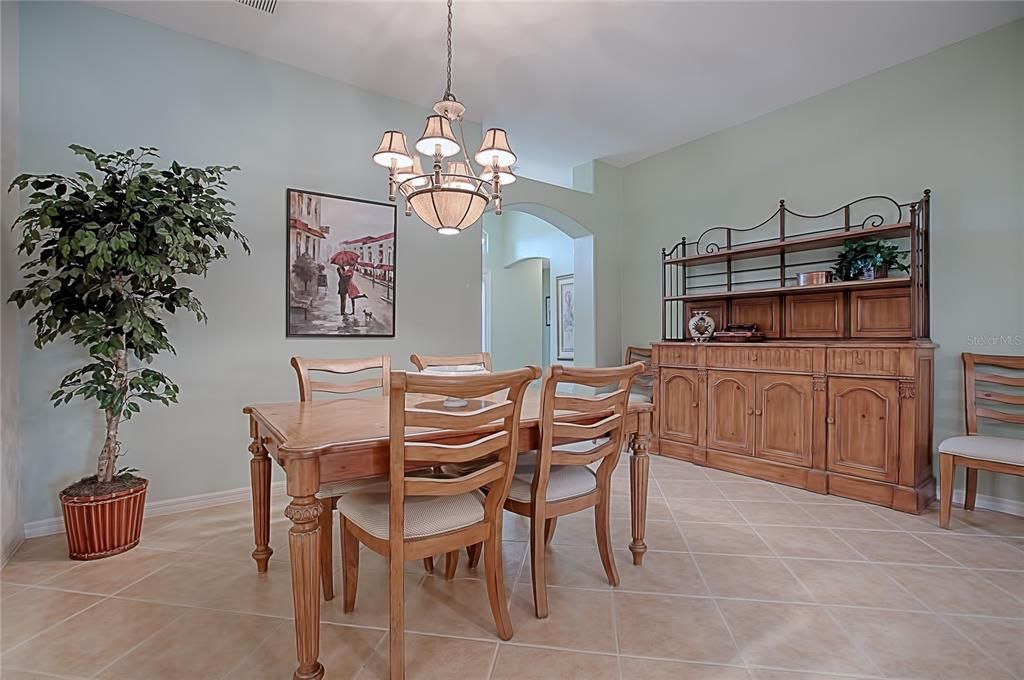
547, 310
565, 317
391, 220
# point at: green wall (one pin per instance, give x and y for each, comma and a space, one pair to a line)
952, 120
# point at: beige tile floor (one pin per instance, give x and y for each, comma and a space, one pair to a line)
744, 580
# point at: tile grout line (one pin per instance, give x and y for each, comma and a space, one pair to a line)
928, 607
807, 590
252, 651
707, 588
137, 645
815, 601
64, 620
494, 661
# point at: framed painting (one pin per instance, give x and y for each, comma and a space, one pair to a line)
340, 266
565, 317
547, 310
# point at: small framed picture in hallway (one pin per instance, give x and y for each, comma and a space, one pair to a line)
340, 266
565, 317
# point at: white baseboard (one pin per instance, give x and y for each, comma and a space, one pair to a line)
171, 506
1010, 507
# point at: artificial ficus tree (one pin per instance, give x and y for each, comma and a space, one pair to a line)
106, 251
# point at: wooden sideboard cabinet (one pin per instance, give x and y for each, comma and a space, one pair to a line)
842, 417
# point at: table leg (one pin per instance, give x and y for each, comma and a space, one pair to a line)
259, 474
639, 465
304, 550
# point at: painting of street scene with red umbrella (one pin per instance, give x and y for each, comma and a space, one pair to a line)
341, 266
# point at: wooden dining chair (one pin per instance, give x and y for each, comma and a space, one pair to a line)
643, 385
559, 479
415, 517
983, 452
425, 361
330, 493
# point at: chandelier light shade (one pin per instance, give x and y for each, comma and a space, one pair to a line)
495, 149
453, 195
449, 211
505, 175
392, 150
438, 138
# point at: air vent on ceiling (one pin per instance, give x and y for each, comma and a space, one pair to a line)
267, 6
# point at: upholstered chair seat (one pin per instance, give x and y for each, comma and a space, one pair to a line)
424, 515
566, 481
984, 447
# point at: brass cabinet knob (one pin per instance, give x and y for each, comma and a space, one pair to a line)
750, 411
757, 412
830, 420
693, 404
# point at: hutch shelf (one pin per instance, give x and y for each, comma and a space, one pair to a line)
838, 399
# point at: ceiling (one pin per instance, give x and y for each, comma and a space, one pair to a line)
577, 80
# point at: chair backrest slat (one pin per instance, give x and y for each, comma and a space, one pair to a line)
581, 431
425, 361
425, 486
425, 452
582, 404
973, 394
436, 418
585, 458
995, 378
307, 386
1003, 416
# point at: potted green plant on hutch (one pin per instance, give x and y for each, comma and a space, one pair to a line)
105, 252
868, 259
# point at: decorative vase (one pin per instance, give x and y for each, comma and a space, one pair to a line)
701, 326
101, 526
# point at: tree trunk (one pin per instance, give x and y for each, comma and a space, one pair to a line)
108, 456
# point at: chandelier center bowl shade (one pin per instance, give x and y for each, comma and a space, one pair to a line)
452, 196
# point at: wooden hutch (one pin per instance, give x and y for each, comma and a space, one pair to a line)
838, 398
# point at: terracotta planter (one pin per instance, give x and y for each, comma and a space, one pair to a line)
101, 526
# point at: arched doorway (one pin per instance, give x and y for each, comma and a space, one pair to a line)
531, 254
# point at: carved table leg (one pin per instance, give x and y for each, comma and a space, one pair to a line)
304, 549
259, 473
639, 464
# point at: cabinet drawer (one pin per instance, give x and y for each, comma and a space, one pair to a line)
766, 312
863, 361
800, 359
880, 313
821, 315
676, 355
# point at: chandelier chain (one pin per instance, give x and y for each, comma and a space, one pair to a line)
448, 96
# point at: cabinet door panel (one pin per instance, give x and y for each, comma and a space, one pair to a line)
863, 432
679, 405
785, 418
731, 411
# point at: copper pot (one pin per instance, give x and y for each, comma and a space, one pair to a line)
101, 526
813, 278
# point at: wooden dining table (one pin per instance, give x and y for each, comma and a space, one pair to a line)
317, 442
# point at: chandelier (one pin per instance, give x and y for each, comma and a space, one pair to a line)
453, 195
